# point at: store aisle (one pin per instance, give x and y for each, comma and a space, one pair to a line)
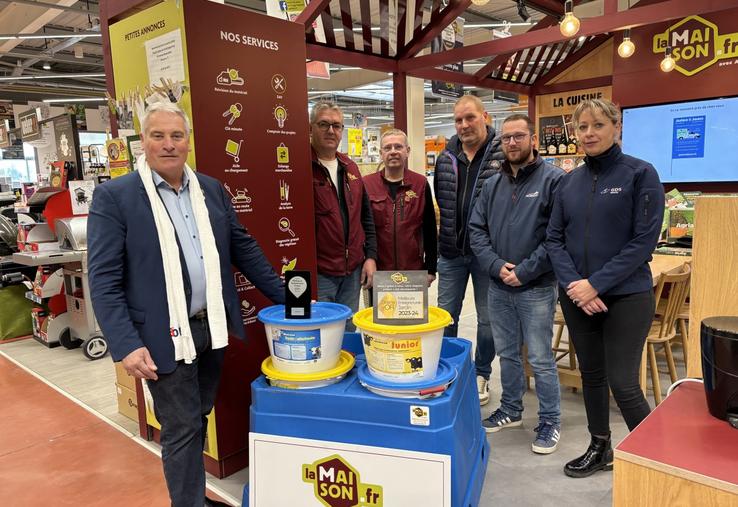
54, 452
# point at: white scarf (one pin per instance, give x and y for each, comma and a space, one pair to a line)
179, 323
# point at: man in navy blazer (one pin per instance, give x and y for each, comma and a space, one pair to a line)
129, 292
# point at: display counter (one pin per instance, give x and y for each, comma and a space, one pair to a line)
679, 455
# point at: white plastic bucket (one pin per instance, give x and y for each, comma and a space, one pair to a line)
305, 345
403, 354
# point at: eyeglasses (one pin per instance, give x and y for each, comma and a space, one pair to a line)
508, 137
393, 147
325, 126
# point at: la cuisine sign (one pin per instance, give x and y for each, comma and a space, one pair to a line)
696, 44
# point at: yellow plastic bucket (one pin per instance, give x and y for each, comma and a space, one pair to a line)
403, 354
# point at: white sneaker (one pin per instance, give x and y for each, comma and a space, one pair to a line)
483, 390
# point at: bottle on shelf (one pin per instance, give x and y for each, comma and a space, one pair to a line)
572, 148
561, 147
551, 144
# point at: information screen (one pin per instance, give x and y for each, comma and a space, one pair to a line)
686, 142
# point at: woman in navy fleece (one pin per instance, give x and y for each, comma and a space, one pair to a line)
604, 226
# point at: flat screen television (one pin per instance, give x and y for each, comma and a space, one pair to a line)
686, 142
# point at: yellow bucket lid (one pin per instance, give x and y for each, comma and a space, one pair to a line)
437, 319
345, 363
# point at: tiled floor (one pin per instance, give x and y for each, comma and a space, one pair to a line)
55, 452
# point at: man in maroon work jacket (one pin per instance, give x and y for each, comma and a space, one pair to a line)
402, 205
344, 229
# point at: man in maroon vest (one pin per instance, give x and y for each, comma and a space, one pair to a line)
344, 230
402, 205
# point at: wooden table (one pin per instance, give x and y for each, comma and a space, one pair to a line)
679, 455
661, 263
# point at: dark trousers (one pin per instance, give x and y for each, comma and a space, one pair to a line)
182, 400
609, 348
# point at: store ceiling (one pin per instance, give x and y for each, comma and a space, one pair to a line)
64, 64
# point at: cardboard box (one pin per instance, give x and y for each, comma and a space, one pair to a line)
123, 379
127, 404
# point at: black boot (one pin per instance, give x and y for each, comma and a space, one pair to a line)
597, 457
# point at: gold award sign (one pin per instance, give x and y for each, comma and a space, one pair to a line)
400, 297
696, 44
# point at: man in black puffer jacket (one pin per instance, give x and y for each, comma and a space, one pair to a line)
469, 159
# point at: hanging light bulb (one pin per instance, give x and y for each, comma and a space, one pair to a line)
479, 2
626, 48
569, 26
47, 66
668, 63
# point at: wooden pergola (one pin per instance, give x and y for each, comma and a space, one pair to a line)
521, 63
543, 51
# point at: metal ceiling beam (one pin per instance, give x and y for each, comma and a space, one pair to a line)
29, 53
666, 10
23, 19
324, 53
50, 51
48, 5
433, 29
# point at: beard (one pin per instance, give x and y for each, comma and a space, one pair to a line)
519, 156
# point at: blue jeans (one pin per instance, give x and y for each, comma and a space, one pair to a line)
526, 317
182, 401
341, 289
453, 275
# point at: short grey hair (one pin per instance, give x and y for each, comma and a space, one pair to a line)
164, 107
393, 132
321, 106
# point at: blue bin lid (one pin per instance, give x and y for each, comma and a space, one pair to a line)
444, 374
320, 313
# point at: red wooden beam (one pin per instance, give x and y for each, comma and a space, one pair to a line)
611, 7
432, 29
647, 15
570, 60
311, 12
469, 80
399, 85
348, 25
340, 56
366, 27
595, 82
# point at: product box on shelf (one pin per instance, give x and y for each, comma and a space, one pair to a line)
127, 404
38, 318
123, 379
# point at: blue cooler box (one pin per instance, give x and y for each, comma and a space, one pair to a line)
366, 418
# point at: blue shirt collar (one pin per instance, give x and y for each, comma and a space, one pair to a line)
161, 183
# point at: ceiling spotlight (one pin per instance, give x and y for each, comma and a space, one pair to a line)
523, 11
668, 63
47, 66
479, 2
569, 26
626, 48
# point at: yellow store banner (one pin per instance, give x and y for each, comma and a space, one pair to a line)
148, 49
